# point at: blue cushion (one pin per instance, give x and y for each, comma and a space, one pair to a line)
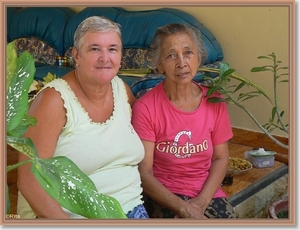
43, 70
108, 12
45, 23
10, 11
138, 27
130, 80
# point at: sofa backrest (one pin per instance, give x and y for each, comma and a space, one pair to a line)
138, 27
9, 15
46, 23
47, 33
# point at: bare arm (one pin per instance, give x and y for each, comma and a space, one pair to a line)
131, 98
153, 188
216, 175
48, 109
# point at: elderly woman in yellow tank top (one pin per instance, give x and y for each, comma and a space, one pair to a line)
86, 116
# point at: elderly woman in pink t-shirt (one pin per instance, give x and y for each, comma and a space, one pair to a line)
184, 136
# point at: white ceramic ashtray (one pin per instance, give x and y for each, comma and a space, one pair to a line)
262, 153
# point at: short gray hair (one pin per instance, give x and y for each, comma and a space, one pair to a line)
95, 24
174, 28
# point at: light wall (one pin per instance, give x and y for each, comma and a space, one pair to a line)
246, 32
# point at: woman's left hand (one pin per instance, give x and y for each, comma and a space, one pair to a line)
195, 209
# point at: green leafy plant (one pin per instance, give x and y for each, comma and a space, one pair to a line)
283, 214
233, 94
59, 176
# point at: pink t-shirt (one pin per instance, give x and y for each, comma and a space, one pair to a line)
183, 140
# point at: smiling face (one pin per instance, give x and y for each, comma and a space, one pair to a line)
179, 59
99, 56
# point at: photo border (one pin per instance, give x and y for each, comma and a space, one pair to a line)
163, 222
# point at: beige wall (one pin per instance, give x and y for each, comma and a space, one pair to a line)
246, 32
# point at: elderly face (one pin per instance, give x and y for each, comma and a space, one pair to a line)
179, 58
100, 55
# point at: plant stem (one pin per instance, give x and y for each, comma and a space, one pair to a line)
257, 123
275, 94
11, 167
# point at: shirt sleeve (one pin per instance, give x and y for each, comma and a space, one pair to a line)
223, 130
142, 121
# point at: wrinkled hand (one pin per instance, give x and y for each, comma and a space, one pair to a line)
194, 209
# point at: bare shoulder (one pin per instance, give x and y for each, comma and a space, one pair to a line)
131, 98
48, 105
48, 110
47, 98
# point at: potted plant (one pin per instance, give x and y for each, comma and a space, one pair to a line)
279, 208
88, 202
232, 93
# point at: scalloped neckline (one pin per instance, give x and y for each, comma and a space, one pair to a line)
84, 110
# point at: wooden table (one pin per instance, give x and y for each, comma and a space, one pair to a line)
248, 183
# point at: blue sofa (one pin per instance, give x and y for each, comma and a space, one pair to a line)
48, 36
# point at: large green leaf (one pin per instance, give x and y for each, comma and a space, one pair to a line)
17, 92
23, 126
23, 145
11, 62
73, 189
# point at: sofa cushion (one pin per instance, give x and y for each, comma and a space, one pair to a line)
135, 58
44, 23
73, 23
43, 70
138, 27
41, 51
9, 15
131, 58
49, 32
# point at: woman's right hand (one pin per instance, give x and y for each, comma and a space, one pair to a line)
192, 210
